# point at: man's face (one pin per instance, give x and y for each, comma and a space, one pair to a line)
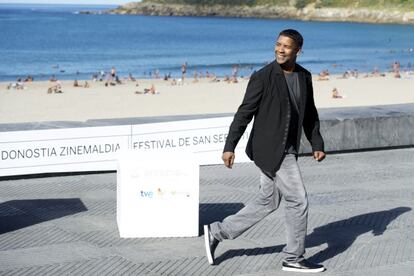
286, 50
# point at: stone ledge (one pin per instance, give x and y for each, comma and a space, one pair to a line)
343, 129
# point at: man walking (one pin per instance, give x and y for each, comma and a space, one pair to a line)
280, 99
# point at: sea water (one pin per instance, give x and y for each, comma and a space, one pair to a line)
46, 40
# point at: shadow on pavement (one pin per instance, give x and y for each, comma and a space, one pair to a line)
351, 228
17, 214
249, 252
211, 212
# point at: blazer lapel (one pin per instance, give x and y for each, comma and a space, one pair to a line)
279, 80
303, 91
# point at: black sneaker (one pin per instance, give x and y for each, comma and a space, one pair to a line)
211, 244
302, 266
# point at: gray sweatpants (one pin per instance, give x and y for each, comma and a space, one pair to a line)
287, 184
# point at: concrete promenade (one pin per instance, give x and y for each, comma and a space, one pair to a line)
361, 222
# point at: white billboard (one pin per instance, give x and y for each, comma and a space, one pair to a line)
96, 148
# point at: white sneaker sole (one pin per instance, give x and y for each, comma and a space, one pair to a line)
207, 246
292, 269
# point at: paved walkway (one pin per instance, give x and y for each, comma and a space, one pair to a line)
361, 223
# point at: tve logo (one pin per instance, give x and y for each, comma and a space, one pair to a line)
163, 194
146, 194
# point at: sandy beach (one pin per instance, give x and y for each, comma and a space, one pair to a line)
34, 104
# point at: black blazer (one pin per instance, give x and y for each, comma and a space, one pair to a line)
267, 100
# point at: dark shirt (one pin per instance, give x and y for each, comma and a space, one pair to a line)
292, 82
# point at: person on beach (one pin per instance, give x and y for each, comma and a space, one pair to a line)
280, 99
324, 75
55, 87
335, 94
150, 90
76, 84
110, 80
376, 73
29, 78
131, 78
102, 75
235, 71
18, 85
195, 80
396, 69
118, 80
183, 71
113, 73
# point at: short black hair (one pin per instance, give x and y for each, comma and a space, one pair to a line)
293, 34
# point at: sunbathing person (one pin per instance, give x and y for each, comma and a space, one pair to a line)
335, 94
14, 85
76, 84
324, 75
130, 77
233, 80
56, 87
150, 90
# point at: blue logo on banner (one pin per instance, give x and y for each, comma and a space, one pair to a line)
147, 194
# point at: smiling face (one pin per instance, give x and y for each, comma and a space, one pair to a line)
286, 52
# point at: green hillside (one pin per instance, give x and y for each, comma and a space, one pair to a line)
405, 5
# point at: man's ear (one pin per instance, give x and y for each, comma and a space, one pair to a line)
299, 52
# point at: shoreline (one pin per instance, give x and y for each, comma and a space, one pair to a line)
244, 71
34, 104
308, 13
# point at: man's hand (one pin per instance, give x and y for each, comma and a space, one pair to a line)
228, 158
319, 155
